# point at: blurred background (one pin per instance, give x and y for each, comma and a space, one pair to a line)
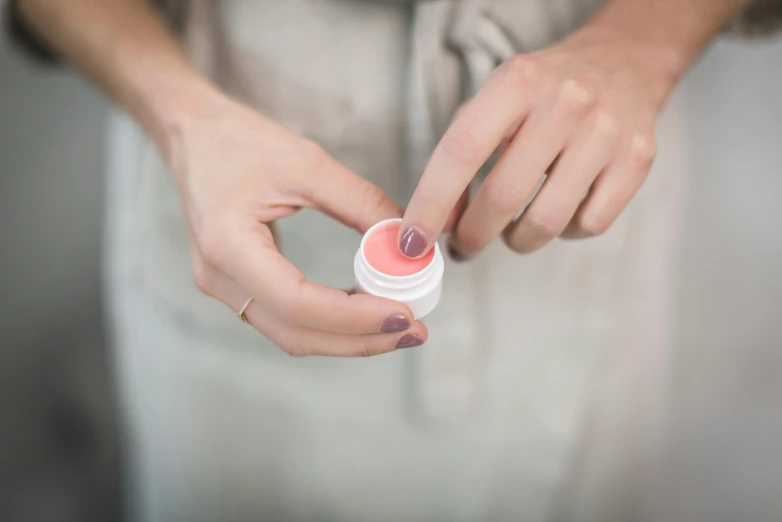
59, 434
58, 431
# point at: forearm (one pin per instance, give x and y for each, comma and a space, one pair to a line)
674, 32
125, 48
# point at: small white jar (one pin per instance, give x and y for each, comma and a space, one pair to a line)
420, 291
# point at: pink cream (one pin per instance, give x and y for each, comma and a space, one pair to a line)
382, 252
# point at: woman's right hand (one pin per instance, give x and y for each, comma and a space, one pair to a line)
237, 171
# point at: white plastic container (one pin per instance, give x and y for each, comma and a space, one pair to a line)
420, 291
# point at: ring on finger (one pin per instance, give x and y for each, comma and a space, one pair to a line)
242, 314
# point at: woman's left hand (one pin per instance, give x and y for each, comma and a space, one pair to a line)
583, 111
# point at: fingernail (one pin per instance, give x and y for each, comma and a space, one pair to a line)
413, 242
409, 341
395, 323
456, 255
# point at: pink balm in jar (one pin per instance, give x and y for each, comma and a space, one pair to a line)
382, 270
382, 252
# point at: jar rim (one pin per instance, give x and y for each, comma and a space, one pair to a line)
397, 279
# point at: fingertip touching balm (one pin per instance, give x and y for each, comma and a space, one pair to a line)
382, 270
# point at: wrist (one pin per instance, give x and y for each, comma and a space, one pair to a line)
655, 67
174, 107
665, 36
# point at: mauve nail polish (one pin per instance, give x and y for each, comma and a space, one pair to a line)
413, 242
395, 323
456, 255
409, 341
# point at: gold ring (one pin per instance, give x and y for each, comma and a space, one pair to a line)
244, 308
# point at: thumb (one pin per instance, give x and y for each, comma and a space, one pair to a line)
349, 198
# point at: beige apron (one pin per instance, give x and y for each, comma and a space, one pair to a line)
538, 394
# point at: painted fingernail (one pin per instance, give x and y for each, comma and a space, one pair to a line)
409, 341
413, 242
456, 255
395, 323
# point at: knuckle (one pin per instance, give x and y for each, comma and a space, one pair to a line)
502, 197
545, 223
374, 200
576, 96
607, 126
209, 239
291, 310
313, 156
594, 224
521, 70
203, 276
295, 348
516, 244
358, 323
463, 147
365, 349
643, 150
434, 205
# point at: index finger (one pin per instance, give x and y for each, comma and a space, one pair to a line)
502, 102
282, 290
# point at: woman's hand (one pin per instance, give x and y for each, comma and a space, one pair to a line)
582, 111
238, 171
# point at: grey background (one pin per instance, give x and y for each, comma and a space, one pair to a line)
58, 428
58, 450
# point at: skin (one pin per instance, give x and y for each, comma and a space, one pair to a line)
237, 171
582, 111
590, 101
